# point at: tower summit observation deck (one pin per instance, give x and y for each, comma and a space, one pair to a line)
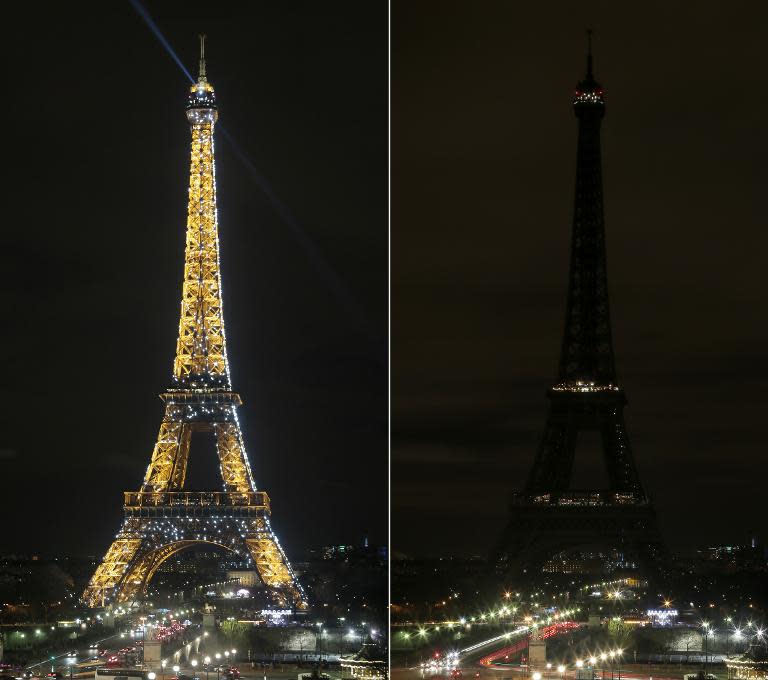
163, 518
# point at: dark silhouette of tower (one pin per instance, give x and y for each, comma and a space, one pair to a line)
549, 516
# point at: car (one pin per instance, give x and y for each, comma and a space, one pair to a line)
232, 672
701, 675
54, 675
456, 673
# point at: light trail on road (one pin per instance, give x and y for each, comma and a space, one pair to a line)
65, 654
503, 636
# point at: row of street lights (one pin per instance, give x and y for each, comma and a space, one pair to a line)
217, 656
612, 657
735, 635
194, 663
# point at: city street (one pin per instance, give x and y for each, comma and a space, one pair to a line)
471, 672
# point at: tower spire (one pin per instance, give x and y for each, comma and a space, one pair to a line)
201, 73
587, 350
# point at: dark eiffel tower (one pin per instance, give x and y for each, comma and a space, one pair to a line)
549, 517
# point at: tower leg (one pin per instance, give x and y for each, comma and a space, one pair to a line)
168, 466
235, 470
273, 567
113, 567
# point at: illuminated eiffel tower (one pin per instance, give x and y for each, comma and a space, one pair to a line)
162, 519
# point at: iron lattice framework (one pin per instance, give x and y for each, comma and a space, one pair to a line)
549, 516
162, 519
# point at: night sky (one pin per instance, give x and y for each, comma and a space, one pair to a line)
483, 163
96, 149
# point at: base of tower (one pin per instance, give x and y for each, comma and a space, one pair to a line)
146, 541
544, 525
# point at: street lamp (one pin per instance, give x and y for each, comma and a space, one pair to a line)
206, 661
151, 675
176, 669
705, 626
194, 663
537, 676
162, 665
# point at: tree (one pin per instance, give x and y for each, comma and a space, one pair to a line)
234, 631
620, 632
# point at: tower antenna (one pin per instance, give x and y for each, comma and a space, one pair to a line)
202, 57
589, 54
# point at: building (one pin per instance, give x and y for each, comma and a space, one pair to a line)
734, 558
750, 666
368, 663
662, 617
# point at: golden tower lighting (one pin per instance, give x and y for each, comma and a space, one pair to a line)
162, 518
